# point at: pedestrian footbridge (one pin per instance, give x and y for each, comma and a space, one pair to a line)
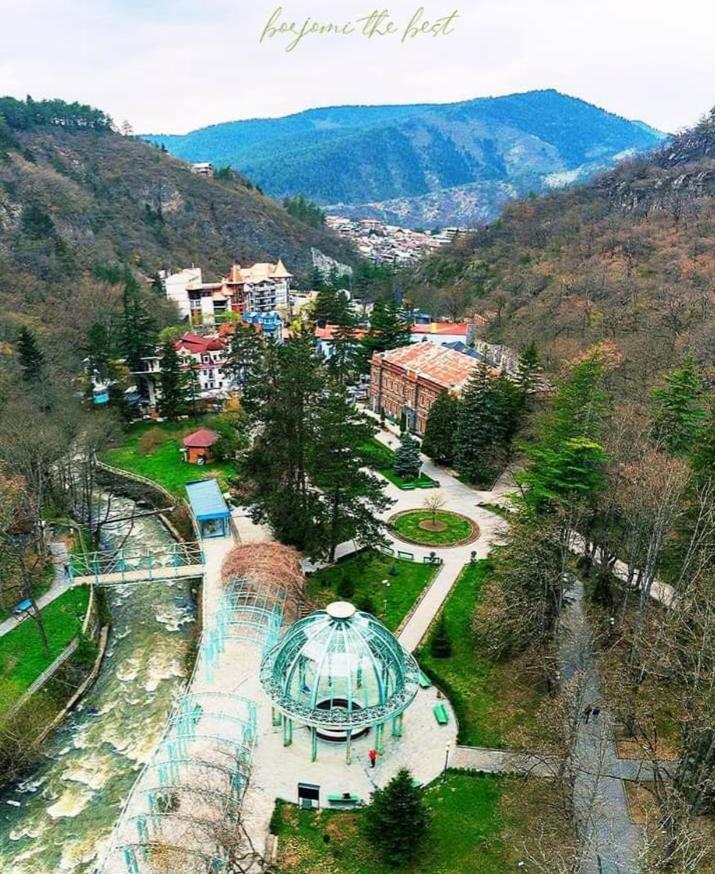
138, 565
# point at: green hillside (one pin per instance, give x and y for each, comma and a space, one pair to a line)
391, 156
75, 196
628, 259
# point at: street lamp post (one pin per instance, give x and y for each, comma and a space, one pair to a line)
446, 762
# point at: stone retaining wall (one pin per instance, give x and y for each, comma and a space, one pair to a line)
179, 520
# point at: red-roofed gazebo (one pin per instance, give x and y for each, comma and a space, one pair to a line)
197, 445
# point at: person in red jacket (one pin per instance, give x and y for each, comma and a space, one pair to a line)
372, 755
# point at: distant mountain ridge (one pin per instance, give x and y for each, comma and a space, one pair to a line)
453, 163
627, 259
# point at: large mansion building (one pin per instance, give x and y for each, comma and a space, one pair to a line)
409, 379
261, 288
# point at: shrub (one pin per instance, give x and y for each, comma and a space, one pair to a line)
150, 441
366, 604
346, 588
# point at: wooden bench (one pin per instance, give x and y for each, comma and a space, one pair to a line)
440, 714
344, 800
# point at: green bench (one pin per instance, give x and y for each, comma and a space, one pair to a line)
440, 714
425, 681
344, 800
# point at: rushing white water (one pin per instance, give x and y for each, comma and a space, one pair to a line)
61, 816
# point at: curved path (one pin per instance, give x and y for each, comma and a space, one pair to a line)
459, 498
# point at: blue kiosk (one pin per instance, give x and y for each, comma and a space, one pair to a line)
209, 508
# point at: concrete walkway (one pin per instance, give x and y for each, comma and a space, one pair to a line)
609, 840
60, 584
459, 498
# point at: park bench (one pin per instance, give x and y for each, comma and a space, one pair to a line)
440, 714
425, 681
344, 800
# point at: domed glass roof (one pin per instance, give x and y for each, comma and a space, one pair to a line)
339, 668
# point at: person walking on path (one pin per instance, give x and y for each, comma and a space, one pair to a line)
587, 713
372, 755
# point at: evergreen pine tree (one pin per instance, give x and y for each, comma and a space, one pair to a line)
343, 364
138, 329
440, 431
30, 356
282, 398
440, 643
528, 371
332, 307
479, 428
407, 463
352, 498
396, 821
244, 354
703, 455
389, 328
566, 457
172, 383
98, 349
679, 409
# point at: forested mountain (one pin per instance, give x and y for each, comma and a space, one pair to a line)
628, 258
76, 197
426, 164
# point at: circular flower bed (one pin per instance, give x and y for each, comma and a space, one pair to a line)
426, 528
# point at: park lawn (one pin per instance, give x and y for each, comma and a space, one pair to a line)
164, 464
22, 658
364, 573
408, 525
42, 581
495, 703
479, 824
382, 459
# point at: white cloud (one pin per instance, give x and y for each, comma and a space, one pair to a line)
174, 65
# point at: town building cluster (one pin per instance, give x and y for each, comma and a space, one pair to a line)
439, 356
261, 288
389, 244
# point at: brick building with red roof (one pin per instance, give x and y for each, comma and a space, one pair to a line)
409, 379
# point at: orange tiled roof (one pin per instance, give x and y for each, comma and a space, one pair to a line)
453, 328
442, 366
328, 332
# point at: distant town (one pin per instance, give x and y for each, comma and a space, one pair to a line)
390, 244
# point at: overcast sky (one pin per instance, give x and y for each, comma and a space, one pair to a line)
175, 65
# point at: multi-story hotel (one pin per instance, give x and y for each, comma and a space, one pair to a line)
261, 288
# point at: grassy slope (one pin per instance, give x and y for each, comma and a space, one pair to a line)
22, 658
164, 464
493, 702
479, 824
367, 571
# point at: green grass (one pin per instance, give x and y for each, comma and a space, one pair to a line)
365, 572
382, 459
42, 581
164, 464
22, 657
493, 702
408, 525
478, 826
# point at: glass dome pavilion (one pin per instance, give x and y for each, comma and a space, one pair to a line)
340, 672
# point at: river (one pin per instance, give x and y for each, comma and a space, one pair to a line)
69, 804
